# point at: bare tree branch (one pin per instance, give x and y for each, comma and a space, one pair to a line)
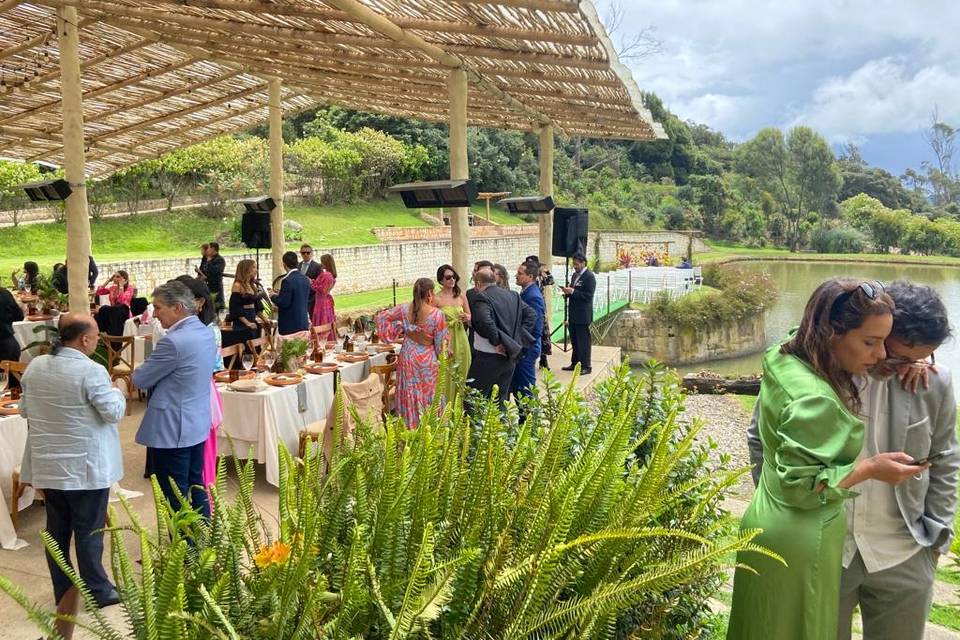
630, 45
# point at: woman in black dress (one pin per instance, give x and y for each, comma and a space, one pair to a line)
246, 303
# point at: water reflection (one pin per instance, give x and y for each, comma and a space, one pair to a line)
796, 281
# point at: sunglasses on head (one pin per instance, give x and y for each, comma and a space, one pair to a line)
872, 289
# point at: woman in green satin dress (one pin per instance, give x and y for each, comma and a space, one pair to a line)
453, 303
811, 438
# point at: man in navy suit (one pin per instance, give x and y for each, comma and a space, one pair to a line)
580, 312
525, 374
294, 314
177, 375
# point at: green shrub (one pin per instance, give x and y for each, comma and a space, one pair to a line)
588, 520
837, 239
739, 294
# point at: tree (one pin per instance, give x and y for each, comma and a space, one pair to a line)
12, 175
799, 171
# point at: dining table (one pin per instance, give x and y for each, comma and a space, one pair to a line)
25, 333
255, 423
13, 439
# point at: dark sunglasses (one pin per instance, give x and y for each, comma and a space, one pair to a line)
450, 277
306, 253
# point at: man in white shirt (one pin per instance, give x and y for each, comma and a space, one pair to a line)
73, 450
895, 534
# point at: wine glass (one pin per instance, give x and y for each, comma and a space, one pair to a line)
4, 379
269, 359
246, 361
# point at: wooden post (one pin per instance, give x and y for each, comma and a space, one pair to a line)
78, 220
546, 219
459, 170
276, 175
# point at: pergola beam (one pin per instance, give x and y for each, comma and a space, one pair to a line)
381, 24
416, 24
534, 5
93, 93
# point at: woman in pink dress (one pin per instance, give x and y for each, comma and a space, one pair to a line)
323, 312
118, 289
423, 328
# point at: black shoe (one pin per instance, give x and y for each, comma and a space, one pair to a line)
586, 370
108, 600
570, 368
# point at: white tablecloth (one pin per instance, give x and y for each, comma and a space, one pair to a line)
13, 438
23, 331
259, 421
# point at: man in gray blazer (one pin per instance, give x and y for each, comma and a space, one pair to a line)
895, 534
73, 450
177, 375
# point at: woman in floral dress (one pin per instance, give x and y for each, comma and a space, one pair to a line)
323, 309
423, 329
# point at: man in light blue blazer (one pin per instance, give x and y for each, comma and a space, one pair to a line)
73, 450
177, 376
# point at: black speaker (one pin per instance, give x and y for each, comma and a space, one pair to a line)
255, 230
569, 232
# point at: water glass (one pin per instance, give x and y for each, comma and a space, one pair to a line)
246, 361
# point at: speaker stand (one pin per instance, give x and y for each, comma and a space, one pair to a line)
566, 308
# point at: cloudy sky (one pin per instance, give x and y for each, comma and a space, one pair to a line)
864, 71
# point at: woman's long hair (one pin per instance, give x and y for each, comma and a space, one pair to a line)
205, 311
837, 306
326, 261
422, 289
126, 278
456, 278
244, 275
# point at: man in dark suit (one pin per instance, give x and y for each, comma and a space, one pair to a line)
472, 292
211, 272
580, 312
310, 268
293, 316
503, 326
525, 375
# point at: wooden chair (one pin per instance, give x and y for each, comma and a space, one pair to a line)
14, 369
257, 345
387, 373
120, 362
231, 354
16, 493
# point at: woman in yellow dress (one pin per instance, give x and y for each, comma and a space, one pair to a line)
811, 438
453, 303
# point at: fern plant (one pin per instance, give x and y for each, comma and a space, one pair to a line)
589, 519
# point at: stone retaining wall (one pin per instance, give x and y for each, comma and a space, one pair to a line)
414, 253
641, 339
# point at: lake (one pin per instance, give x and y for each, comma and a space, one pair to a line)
796, 281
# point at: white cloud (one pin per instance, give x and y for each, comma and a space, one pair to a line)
882, 96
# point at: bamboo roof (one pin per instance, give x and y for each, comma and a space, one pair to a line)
158, 75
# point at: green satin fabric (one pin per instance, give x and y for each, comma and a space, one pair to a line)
460, 345
809, 439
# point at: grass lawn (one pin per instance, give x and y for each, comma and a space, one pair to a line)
179, 233
747, 402
722, 251
377, 298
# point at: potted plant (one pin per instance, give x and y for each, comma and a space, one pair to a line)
293, 353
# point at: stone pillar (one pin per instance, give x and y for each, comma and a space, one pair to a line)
276, 175
459, 170
78, 220
546, 219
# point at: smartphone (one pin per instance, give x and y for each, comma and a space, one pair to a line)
933, 457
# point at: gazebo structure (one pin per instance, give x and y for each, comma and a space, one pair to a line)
96, 85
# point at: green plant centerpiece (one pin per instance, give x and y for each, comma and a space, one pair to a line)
49, 298
292, 354
591, 519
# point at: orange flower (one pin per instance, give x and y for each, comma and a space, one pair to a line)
276, 553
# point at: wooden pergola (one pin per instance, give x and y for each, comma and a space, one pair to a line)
96, 85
